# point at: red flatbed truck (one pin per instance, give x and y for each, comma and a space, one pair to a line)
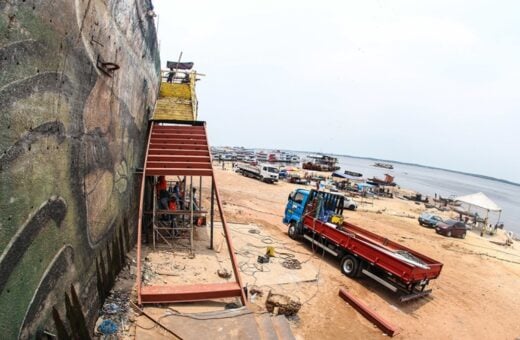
361, 252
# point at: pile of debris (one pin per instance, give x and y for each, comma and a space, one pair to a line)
281, 304
113, 316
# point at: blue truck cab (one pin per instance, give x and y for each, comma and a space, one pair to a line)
318, 204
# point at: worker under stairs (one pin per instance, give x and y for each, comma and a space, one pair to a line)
181, 151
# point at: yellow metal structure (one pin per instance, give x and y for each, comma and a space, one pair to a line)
177, 101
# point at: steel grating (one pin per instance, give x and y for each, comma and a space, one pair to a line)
182, 150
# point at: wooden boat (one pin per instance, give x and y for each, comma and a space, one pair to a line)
384, 165
353, 174
389, 180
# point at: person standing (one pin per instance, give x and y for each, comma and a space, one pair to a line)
170, 76
162, 194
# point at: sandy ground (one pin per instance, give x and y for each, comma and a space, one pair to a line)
476, 295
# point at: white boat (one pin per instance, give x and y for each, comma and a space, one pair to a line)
261, 156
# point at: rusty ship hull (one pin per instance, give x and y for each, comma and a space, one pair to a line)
78, 82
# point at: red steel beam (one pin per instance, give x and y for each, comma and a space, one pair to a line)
140, 218
183, 165
178, 146
228, 238
179, 152
186, 130
185, 293
372, 316
169, 141
178, 172
178, 135
178, 158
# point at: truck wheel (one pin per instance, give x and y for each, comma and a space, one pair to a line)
349, 265
463, 236
292, 231
448, 234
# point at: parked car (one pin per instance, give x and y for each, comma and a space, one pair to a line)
349, 204
429, 220
451, 228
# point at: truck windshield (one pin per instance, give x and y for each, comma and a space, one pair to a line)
274, 170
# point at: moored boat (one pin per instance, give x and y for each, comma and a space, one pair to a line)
321, 163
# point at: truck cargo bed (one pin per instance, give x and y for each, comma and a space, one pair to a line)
407, 265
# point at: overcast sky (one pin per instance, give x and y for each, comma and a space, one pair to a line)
428, 82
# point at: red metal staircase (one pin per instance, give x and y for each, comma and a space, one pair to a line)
182, 150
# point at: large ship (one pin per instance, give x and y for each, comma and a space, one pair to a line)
78, 82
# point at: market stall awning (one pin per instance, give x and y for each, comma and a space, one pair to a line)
479, 200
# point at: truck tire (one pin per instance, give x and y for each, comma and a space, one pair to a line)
349, 265
292, 232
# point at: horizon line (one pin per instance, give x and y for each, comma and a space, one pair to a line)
502, 180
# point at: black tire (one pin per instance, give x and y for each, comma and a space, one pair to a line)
352, 207
292, 232
349, 265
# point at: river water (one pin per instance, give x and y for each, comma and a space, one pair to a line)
445, 183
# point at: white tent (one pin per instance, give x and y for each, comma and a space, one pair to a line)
479, 200
482, 201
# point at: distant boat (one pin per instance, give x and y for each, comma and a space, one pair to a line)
273, 157
384, 165
321, 163
283, 157
353, 174
261, 156
389, 180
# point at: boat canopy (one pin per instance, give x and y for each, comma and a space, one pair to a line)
179, 66
479, 200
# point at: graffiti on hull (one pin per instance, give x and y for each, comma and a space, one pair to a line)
71, 137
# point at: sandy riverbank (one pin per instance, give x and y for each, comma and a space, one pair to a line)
476, 295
